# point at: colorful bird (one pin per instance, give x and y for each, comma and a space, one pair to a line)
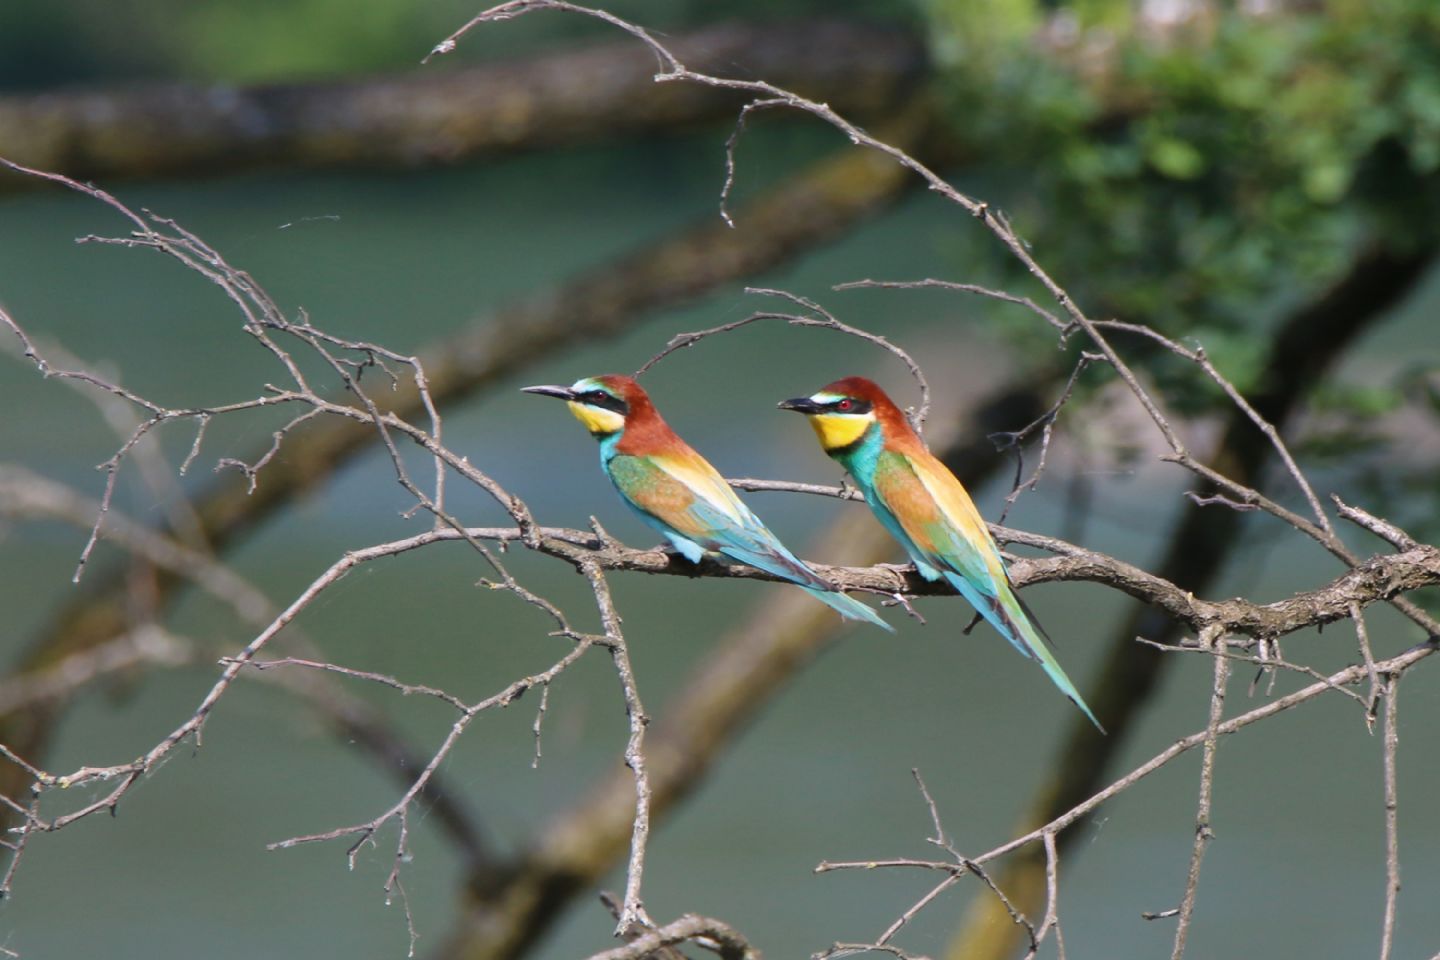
925, 507
678, 492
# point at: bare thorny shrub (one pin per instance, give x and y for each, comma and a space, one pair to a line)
1229, 632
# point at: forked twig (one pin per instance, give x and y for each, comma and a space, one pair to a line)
821, 318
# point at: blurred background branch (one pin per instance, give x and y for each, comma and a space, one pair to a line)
434, 116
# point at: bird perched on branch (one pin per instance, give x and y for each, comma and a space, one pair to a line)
921, 503
678, 492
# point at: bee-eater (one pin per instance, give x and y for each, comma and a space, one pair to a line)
678, 492
921, 503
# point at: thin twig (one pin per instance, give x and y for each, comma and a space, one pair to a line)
1051, 920
1362, 636
821, 318
1012, 440
632, 910
1001, 295
1199, 357
1213, 639
1391, 745
1383, 529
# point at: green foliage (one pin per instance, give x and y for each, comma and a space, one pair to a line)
1344, 421
1201, 176
1187, 174
292, 38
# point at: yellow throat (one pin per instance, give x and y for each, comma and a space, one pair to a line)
837, 430
596, 419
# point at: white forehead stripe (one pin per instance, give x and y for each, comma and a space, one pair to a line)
824, 397
584, 384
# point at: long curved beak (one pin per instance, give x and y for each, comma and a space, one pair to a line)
564, 393
800, 405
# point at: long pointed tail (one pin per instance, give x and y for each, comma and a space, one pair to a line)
848, 606
760, 549
1040, 650
1008, 614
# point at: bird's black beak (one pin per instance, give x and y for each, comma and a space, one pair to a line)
800, 405
564, 393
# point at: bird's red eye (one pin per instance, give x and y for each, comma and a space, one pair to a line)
845, 404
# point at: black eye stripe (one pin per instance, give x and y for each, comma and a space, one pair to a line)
603, 400
849, 405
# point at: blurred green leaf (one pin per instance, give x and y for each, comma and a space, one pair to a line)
1176, 158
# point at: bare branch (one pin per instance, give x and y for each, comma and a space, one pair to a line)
599, 302
1362, 636
1220, 500
822, 318
1046, 424
1349, 675
1051, 920
408, 689
731, 143
365, 832
1383, 529
1378, 579
632, 908
1201, 359
1211, 639
1000, 295
721, 938
1267, 661
1391, 744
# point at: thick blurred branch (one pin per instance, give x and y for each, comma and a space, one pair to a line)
1307, 344
439, 116
435, 115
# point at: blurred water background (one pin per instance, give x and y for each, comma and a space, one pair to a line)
1296, 868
